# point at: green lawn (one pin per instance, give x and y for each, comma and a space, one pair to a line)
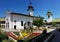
16, 33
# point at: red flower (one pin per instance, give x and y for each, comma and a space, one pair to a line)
34, 34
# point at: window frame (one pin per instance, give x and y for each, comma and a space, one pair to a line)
21, 23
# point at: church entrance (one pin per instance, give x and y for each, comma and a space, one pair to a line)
14, 26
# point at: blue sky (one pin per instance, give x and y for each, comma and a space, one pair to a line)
40, 7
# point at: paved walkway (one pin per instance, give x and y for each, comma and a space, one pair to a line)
56, 36
40, 31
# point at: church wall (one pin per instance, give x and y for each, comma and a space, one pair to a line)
49, 19
18, 19
8, 20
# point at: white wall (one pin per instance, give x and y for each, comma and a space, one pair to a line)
18, 19
8, 16
49, 19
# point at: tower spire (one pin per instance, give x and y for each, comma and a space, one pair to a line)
30, 2
49, 15
30, 9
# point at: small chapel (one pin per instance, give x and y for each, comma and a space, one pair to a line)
18, 20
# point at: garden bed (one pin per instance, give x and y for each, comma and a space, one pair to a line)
35, 37
39, 38
31, 36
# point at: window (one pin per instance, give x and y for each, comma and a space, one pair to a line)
21, 23
7, 25
7, 19
14, 21
28, 23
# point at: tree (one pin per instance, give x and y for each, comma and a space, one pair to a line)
53, 24
38, 22
0, 25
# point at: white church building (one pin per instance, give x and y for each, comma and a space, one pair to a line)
17, 20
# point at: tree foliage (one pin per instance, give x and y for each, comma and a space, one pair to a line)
4, 37
53, 24
38, 22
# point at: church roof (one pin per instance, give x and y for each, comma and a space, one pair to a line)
23, 15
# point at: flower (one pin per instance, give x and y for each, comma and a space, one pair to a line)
33, 35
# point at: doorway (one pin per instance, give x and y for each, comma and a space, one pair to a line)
14, 26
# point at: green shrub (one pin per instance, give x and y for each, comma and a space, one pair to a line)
44, 31
36, 28
17, 33
24, 33
20, 37
5, 36
4, 40
9, 40
20, 41
1, 32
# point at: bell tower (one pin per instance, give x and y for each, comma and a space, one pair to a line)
49, 16
30, 9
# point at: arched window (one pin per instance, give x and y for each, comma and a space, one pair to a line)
7, 19
7, 25
14, 21
28, 23
21, 23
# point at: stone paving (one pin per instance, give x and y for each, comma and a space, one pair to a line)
40, 31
